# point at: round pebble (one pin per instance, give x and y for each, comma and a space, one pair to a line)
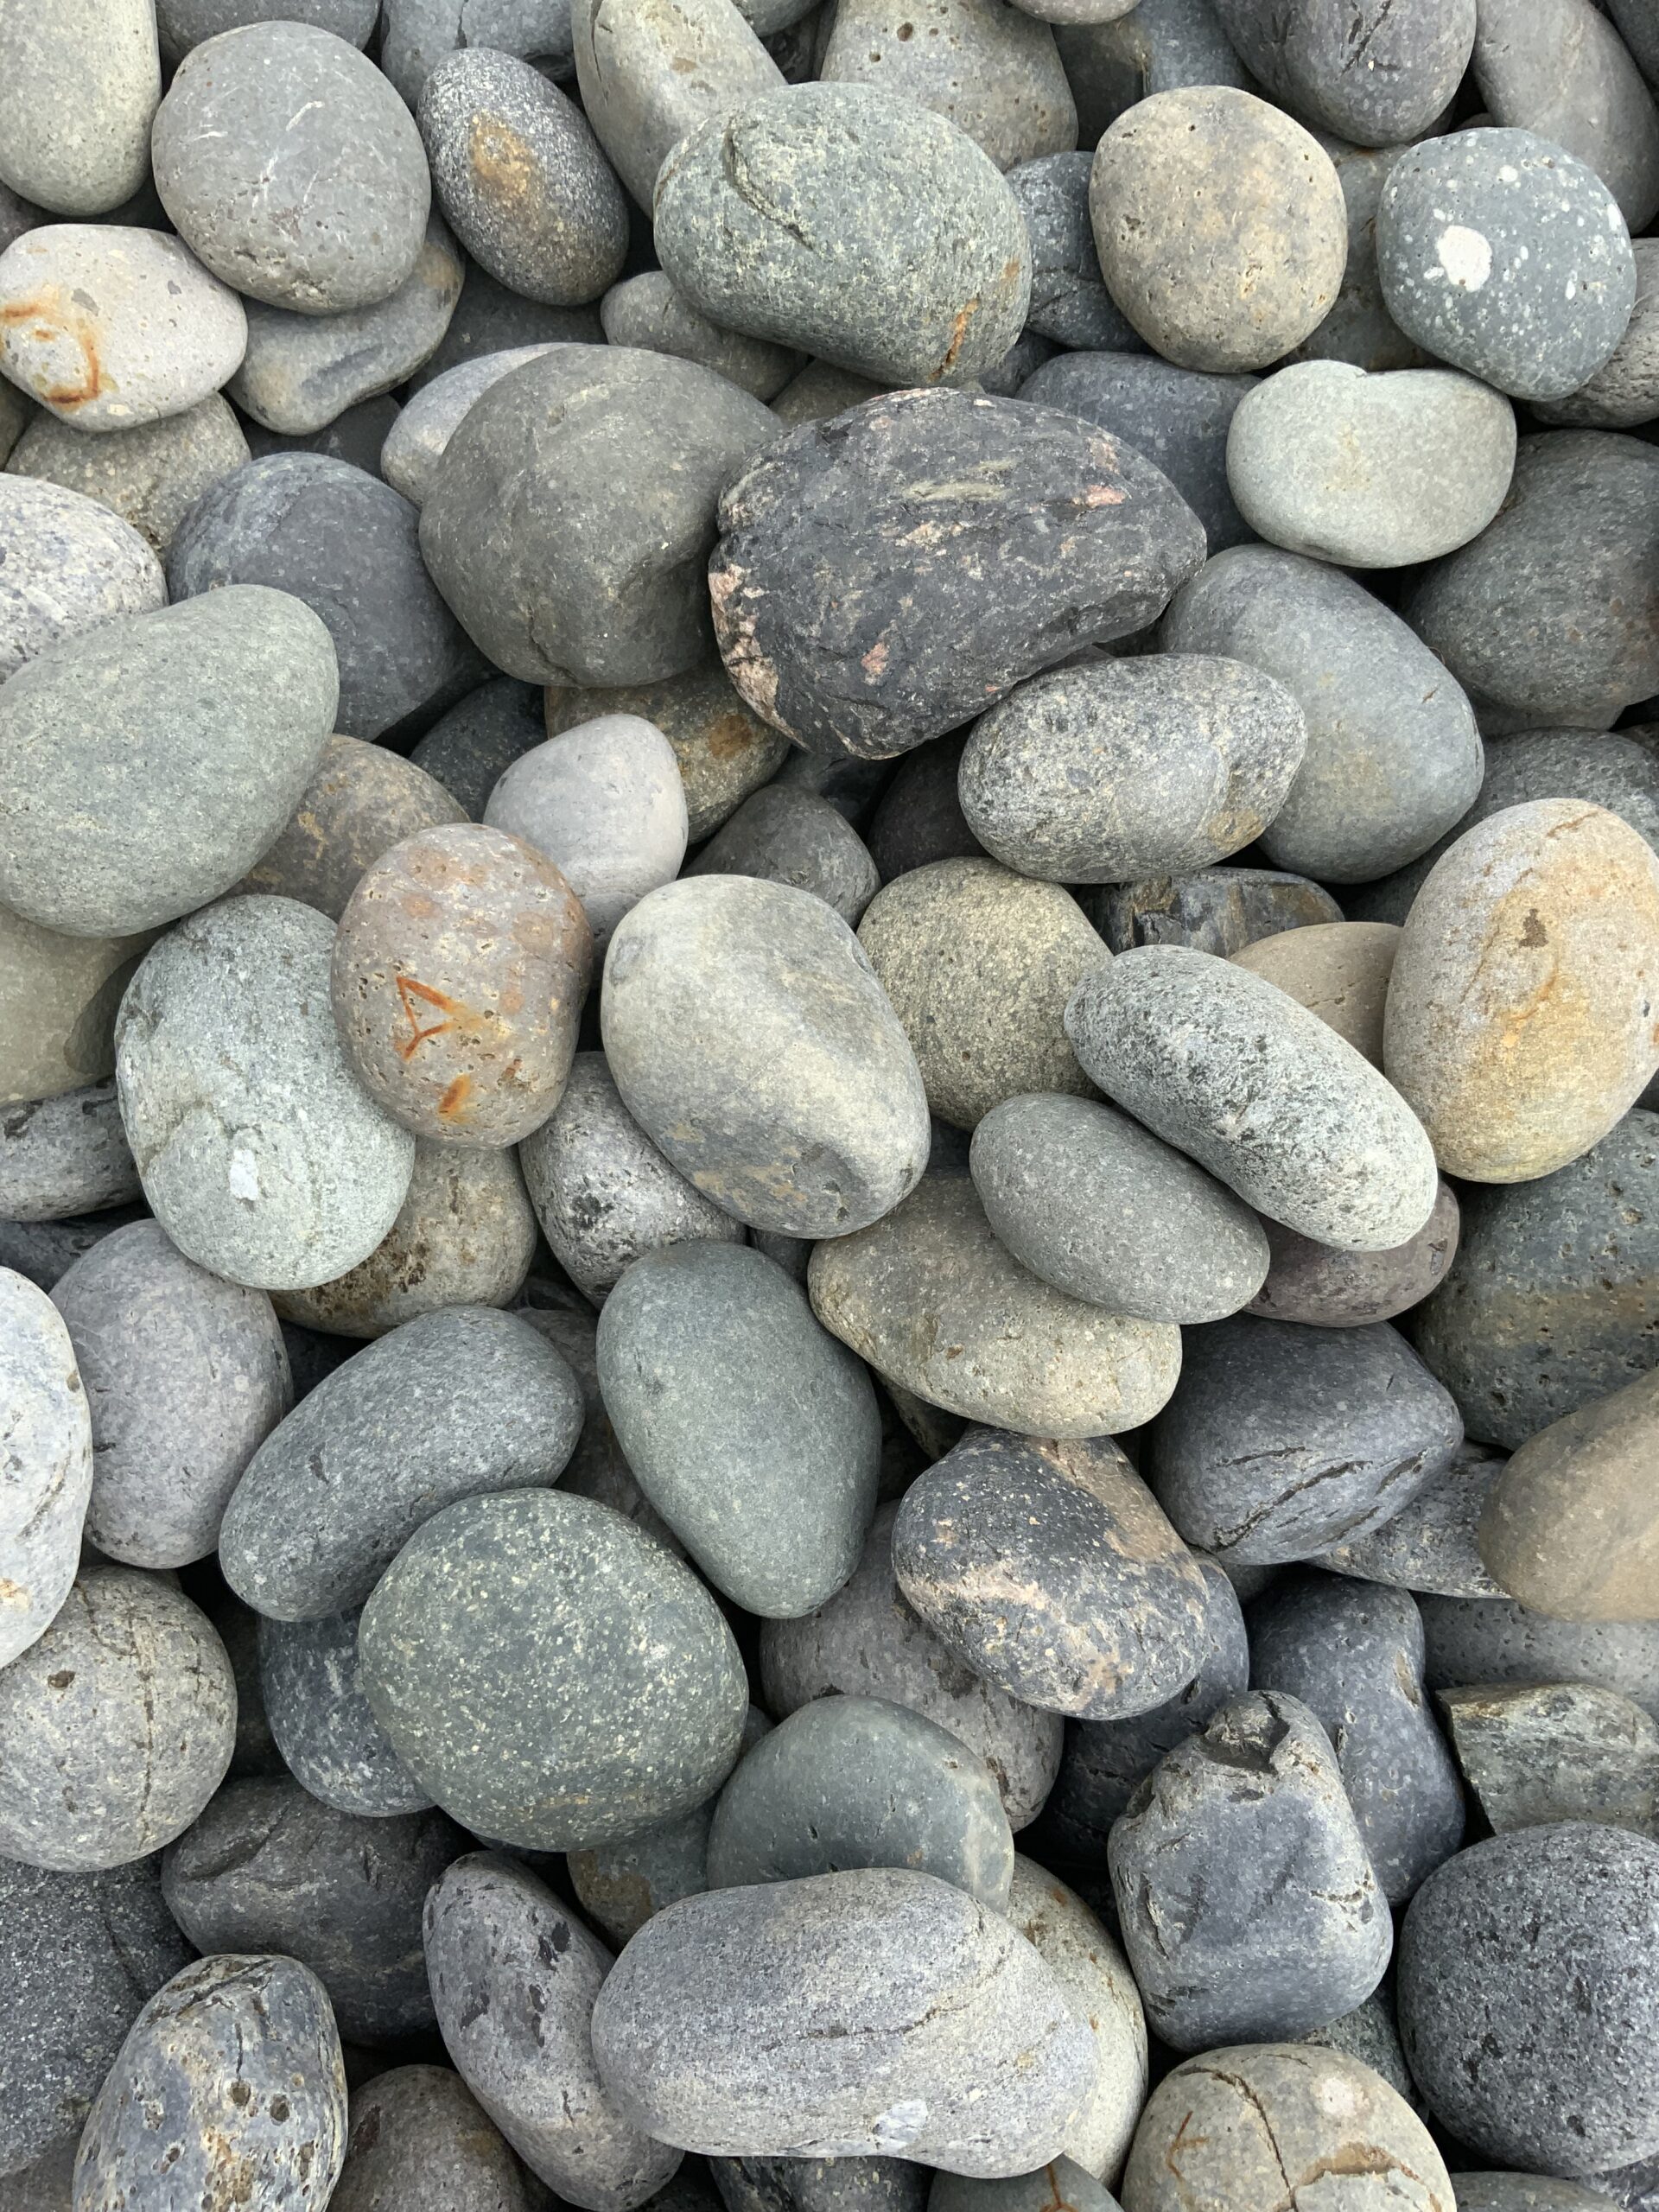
724, 749
46, 1476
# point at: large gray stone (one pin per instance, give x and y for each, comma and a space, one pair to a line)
84, 79
151, 476
46, 1477
958, 2047
66, 565
539, 1585
145, 766
65, 1155
650, 72
261, 1155
1378, 74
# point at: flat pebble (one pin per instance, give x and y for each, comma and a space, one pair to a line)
1429, 1545
1413, 58
1069, 300
1281, 1441
259, 2024
785, 834
711, 2026
1248, 1909
1092, 538
1327, 1289
268, 1866
622, 1731
1228, 1068
260, 1154
1052, 1572
572, 539
322, 217
65, 1155
321, 1722
116, 1724
1393, 757
1225, 281
420, 2143
650, 72
931, 1298
151, 476
1219, 910
110, 328
1110, 772
1370, 472
1544, 1752
725, 751
1518, 1025
68, 565
1559, 68
1099, 1208
87, 77
1501, 254
45, 1474
185, 1377
1508, 1950
809, 1116
146, 764
989, 68
519, 173
746, 1425
978, 964
867, 1642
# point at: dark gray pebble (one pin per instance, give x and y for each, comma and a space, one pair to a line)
320, 1721
459, 1402
1498, 1640
1250, 1908
1378, 74
491, 320
1281, 1441
847, 625
789, 835
623, 1730
1069, 299
1124, 55
65, 1155
268, 1867
873, 2184
1429, 1545
919, 817
1219, 910
42, 1251
467, 749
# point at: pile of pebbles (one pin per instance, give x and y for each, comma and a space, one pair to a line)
829, 1105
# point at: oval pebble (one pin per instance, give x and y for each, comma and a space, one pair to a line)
46, 1472
785, 834
68, 565
990, 69
1380, 76
649, 73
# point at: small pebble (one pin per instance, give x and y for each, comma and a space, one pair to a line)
361, 800
66, 565
321, 1722
419, 2143
466, 749
785, 834
1326, 1288
724, 749
1219, 910
48, 1468
1556, 1751
150, 476
646, 311
1429, 1545
65, 1155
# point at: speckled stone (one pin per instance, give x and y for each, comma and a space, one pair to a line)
1281, 1441
150, 476
494, 1589
492, 320
1251, 1911
1553, 1752
514, 1978
259, 2023
1339, 971
457, 1402
840, 627
752, 1040
361, 800
1358, 327
1219, 910
47, 1472
1495, 1640
1501, 254
146, 764
1326, 1288
301, 372
1429, 1545
603, 1193
40, 1252
1553, 1297
646, 311
1518, 1024
1116, 770
785, 834
420, 2143
1099, 1208
345, 543
1352, 1652
1370, 472
747, 1426
1115, 56
1226, 2128
82, 1953
1392, 756
866, 1642
1527, 1996
65, 1155
116, 1724
990, 69
268, 1866
467, 749
86, 78
185, 1375
66, 565
919, 817
1559, 68
1377, 76
724, 750
711, 2026
650, 72
459, 972
1176, 417
1551, 613
519, 173
572, 540
260, 1154
1069, 299
320, 1721
1051, 1572
322, 218
1230, 1070
930, 1297
1175, 260
858, 1782
417, 439
1624, 391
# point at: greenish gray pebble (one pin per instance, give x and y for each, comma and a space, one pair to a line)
646, 311
151, 476
1624, 391
87, 77
622, 1732
1536, 1752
